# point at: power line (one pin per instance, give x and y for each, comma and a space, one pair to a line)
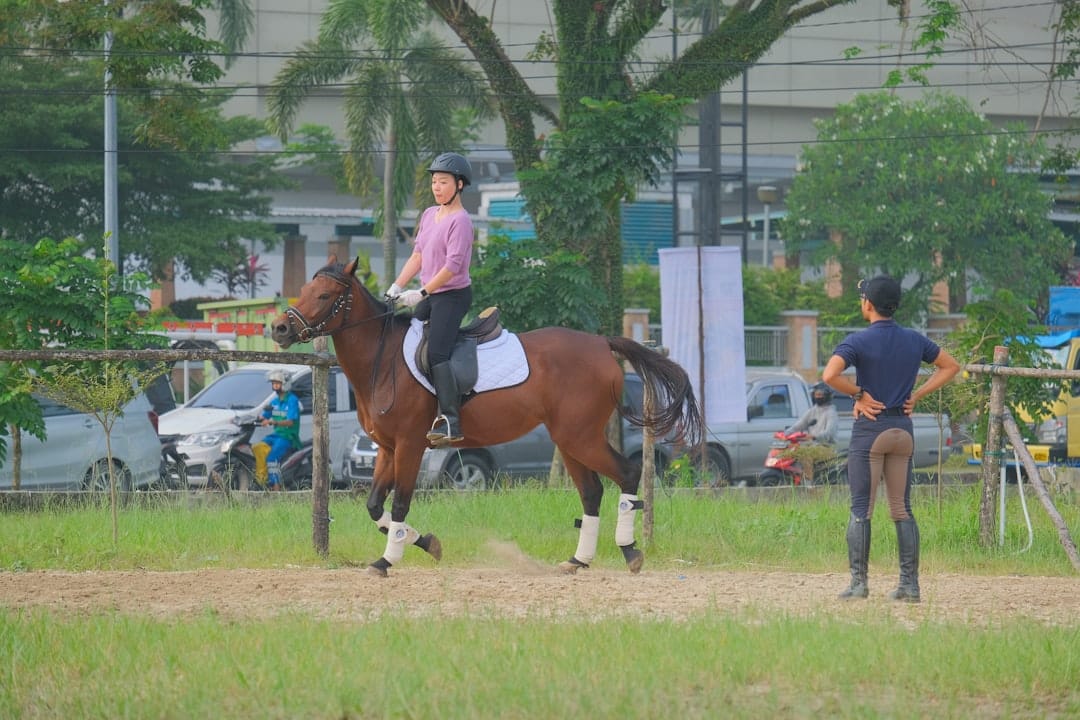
499, 148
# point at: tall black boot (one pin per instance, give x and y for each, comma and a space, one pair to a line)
907, 540
447, 428
858, 544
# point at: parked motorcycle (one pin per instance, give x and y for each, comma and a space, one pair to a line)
783, 468
173, 468
236, 468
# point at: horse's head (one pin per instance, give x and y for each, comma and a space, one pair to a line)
323, 307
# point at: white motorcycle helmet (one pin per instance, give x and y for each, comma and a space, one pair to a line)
282, 377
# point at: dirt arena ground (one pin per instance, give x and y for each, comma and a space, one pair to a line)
516, 586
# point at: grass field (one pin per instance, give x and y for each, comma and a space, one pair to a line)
415, 654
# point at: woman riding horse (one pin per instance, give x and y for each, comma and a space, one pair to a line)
573, 386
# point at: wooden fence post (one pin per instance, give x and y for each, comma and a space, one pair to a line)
320, 451
991, 456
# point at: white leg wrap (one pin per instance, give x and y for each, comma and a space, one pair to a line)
400, 535
586, 544
383, 523
624, 527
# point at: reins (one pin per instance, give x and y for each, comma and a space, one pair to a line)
343, 305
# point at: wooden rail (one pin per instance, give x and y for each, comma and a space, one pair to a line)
320, 362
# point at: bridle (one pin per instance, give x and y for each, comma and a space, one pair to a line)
342, 305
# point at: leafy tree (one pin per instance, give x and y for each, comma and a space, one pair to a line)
160, 56
407, 91
51, 295
927, 190
534, 287
1001, 319
245, 277
641, 288
100, 389
588, 170
192, 202
594, 50
180, 192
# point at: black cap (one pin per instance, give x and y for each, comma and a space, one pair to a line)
883, 291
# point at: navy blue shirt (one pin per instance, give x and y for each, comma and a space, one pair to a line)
887, 358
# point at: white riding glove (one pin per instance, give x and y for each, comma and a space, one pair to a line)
410, 298
393, 292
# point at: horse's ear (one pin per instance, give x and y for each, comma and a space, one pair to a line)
332, 260
350, 269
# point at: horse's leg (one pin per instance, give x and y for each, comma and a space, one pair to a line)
591, 491
406, 465
612, 464
381, 483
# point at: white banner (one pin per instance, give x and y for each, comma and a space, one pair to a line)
721, 332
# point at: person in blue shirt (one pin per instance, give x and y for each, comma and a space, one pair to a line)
283, 415
886, 358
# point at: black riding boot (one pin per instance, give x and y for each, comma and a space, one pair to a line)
446, 429
858, 544
907, 540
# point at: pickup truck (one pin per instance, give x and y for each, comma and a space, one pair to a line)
737, 450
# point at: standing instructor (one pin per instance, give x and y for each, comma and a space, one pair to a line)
886, 358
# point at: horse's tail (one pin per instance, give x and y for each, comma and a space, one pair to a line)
674, 407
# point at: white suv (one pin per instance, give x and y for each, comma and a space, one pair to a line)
201, 426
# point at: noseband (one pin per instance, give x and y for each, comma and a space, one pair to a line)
343, 304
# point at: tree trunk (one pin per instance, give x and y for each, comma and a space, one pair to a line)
390, 220
15, 433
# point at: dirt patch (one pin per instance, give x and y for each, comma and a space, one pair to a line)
517, 586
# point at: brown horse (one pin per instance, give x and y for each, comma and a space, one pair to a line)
574, 385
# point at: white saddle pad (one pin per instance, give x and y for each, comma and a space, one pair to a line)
502, 362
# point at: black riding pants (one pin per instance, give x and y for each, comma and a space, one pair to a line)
443, 312
881, 450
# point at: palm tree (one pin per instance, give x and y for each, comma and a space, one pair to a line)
406, 94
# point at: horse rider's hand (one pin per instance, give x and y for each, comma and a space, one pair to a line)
410, 298
393, 292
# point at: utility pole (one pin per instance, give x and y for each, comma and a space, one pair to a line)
112, 214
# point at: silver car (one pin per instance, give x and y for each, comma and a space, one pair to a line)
460, 469
73, 455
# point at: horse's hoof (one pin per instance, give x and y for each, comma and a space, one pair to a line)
570, 567
431, 545
634, 559
379, 568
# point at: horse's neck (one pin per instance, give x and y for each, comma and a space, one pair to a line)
368, 346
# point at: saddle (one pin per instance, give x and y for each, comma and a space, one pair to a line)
484, 328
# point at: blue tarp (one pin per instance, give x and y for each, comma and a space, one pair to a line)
1056, 339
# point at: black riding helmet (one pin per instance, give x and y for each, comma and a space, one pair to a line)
454, 164
821, 394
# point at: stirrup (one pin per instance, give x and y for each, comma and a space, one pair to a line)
442, 439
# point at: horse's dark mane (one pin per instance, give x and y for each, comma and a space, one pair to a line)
336, 272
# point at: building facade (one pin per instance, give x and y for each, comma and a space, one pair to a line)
766, 119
